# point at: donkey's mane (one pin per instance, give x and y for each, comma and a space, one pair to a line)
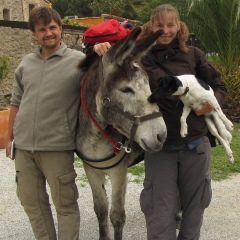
88, 61
88, 66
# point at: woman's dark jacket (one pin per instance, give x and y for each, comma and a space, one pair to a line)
192, 62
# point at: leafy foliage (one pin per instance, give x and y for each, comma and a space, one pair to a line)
123, 8
217, 25
4, 67
79, 8
147, 7
106, 6
72, 8
60, 6
67, 21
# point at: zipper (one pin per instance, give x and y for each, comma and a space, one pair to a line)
35, 117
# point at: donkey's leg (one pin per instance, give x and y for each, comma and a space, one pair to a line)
97, 180
214, 132
118, 177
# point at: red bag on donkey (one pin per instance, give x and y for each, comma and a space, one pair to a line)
109, 31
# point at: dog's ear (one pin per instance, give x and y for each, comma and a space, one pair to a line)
160, 92
173, 84
165, 81
178, 82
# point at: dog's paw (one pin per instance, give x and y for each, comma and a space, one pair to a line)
231, 158
183, 133
229, 125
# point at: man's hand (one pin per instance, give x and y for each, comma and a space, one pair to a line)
101, 48
206, 108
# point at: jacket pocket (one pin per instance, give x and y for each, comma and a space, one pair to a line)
68, 188
207, 192
146, 197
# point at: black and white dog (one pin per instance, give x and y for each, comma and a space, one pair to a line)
192, 93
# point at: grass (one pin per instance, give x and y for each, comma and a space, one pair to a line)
220, 167
213, 58
138, 172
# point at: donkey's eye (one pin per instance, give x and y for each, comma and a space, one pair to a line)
127, 90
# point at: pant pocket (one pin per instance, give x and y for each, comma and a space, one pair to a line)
68, 188
207, 192
146, 197
17, 179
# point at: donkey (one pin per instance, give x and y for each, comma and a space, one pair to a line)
116, 124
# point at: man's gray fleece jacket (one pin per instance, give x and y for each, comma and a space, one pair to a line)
47, 93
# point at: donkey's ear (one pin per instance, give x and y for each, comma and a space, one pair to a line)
144, 44
179, 83
120, 50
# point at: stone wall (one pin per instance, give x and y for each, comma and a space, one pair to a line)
16, 43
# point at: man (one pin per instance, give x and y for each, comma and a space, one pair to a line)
42, 122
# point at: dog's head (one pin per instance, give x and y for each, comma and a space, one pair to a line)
165, 88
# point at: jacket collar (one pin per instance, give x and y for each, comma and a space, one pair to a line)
59, 52
171, 48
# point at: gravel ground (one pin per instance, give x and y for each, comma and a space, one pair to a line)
220, 219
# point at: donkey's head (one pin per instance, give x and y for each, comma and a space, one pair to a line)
123, 91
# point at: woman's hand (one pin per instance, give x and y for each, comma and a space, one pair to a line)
206, 108
101, 48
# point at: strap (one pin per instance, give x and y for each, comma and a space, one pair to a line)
153, 60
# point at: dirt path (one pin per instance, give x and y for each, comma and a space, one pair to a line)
221, 220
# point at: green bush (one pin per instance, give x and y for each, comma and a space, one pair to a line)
232, 82
4, 67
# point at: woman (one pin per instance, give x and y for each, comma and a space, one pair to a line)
183, 163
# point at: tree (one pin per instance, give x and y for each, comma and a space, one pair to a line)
147, 7
217, 25
60, 6
106, 6
121, 8
79, 8
128, 11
